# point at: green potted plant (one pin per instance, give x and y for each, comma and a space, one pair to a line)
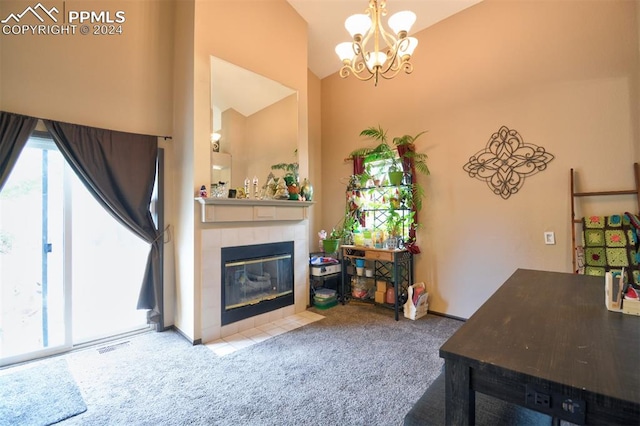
398, 224
403, 159
394, 223
342, 232
365, 177
380, 152
411, 160
396, 174
330, 244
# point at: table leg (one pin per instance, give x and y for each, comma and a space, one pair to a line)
460, 401
343, 278
396, 284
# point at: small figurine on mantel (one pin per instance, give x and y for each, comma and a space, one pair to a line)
247, 191
256, 195
269, 188
281, 191
203, 191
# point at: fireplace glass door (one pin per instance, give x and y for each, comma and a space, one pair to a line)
256, 279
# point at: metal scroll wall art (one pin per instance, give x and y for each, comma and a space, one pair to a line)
506, 161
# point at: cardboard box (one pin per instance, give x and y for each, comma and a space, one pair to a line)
381, 286
380, 296
416, 310
631, 307
322, 270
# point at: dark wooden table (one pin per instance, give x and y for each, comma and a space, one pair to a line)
545, 340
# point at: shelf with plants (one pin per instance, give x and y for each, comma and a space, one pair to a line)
383, 192
386, 208
382, 202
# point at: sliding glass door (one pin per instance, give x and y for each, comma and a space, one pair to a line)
32, 290
69, 272
108, 264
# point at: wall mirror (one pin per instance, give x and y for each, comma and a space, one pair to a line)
257, 122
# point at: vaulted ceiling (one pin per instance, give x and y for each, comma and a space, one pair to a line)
326, 23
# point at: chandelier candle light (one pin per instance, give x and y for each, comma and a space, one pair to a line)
391, 51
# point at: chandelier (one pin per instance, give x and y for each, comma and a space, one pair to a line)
390, 51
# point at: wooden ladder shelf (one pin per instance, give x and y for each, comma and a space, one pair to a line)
574, 195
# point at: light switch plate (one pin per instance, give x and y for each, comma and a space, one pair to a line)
549, 238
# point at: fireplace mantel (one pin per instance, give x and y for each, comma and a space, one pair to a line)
215, 210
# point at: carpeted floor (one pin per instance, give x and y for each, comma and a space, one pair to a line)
357, 366
43, 393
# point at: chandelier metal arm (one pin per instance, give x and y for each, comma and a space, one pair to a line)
357, 66
398, 61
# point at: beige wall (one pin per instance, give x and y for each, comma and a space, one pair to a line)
121, 82
233, 141
272, 138
256, 142
315, 158
186, 316
563, 74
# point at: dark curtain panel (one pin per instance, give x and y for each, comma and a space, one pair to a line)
14, 132
119, 170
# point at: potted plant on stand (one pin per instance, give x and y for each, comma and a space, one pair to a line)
412, 161
396, 174
381, 152
342, 232
398, 223
331, 243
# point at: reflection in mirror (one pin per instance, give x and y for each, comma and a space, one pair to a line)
257, 120
220, 167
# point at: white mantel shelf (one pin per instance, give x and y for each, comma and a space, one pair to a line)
217, 210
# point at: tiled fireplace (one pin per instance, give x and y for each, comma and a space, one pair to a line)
234, 234
256, 279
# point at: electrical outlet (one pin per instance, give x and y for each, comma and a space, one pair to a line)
541, 400
555, 404
549, 238
537, 399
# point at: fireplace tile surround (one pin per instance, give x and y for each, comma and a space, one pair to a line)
237, 234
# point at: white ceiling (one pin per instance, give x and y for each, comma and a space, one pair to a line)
326, 23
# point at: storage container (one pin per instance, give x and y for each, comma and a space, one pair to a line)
322, 270
325, 303
324, 293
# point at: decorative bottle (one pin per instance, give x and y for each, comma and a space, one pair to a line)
307, 190
391, 295
255, 188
